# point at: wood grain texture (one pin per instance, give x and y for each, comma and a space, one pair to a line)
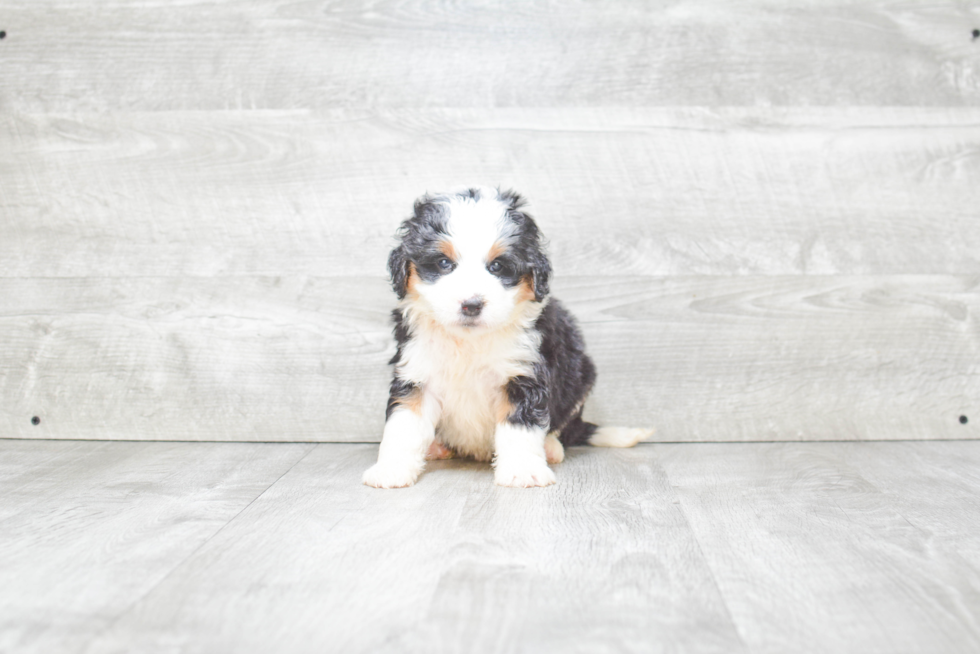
775, 206
65, 55
759, 547
908, 474
699, 358
248, 359
87, 529
604, 562
809, 550
619, 191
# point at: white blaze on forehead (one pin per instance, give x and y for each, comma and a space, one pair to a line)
474, 226
476, 229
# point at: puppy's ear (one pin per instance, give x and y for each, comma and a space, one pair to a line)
540, 271
398, 270
532, 242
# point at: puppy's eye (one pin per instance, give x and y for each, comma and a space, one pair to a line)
444, 264
495, 267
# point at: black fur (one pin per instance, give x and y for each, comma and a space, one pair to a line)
529, 397
528, 250
401, 335
562, 380
398, 269
552, 397
422, 234
399, 389
577, 432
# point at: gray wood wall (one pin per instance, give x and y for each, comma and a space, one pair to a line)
764, 214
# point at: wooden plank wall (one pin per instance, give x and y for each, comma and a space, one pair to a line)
764, 214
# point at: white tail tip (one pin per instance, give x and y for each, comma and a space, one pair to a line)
619, 436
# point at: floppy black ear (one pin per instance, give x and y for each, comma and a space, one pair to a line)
533, 243
540, 271
398, 269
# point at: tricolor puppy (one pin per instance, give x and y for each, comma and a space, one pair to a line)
488, 365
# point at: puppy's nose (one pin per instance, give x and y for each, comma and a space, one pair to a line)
472, 307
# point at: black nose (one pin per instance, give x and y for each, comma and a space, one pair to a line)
472, 307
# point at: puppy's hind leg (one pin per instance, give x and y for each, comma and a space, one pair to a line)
438, 452
553, 450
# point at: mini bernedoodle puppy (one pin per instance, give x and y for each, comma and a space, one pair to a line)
488, 365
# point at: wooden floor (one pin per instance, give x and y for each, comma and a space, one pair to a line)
250, 547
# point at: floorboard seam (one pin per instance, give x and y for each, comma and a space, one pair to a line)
707, 563
191, 555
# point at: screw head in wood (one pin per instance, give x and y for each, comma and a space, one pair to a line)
976, 34
3, 34
35, 420
964, 420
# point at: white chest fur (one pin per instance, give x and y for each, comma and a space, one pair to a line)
465, 377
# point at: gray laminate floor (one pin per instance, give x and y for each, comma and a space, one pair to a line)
233, 547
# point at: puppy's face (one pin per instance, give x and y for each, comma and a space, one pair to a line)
470, 260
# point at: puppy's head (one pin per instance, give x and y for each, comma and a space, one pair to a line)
470, 260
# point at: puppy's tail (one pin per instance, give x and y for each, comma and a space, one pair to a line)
619, 436
579, 432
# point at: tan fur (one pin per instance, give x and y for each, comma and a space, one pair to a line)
412, 282
619, 436
553, 450
504, 407
438, 452
412, 401
525, 291
446, 247
496, 250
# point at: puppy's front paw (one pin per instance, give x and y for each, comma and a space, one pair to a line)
389, 475
523, 473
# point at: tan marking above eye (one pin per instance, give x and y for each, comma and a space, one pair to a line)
496, 250
446, 247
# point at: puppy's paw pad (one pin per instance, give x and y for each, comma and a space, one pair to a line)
524, 476
382, 475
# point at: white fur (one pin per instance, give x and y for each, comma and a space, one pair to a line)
619, 436
404, 444
463, 364
464, 368
520, 460
465, 376
473, 227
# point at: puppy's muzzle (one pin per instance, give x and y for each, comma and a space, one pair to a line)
472, 307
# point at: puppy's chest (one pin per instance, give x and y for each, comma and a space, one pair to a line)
468, 380
447, 366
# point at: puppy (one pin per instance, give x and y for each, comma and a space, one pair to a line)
488, 365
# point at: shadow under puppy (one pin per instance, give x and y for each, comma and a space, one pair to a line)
488, 365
